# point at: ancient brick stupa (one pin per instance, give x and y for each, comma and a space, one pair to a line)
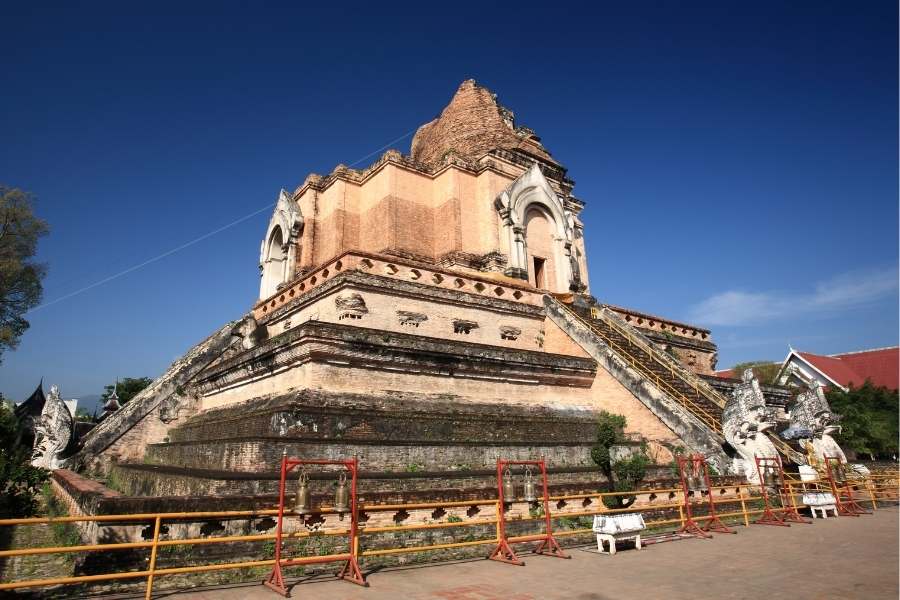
427, 314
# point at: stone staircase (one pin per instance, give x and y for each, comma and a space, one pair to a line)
664, 372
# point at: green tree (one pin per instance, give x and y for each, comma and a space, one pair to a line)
20, 483
127, 389
869, 423
764, 371
624, 474
20, 275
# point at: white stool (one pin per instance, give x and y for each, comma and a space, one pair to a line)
612, 528
612, 539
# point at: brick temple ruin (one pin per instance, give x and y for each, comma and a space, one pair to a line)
427, 314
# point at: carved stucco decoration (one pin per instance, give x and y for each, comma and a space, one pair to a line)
508, 332
278, 261
532, 189
413, 319
350, 306
245, 335
744, 422
464, 326
812, 422
171, 407
52, 432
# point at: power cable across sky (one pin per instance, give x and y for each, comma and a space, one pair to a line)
196, 240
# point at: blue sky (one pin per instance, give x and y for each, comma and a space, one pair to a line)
738, 160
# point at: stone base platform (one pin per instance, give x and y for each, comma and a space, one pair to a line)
404, 442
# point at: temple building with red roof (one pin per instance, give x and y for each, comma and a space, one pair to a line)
881, 366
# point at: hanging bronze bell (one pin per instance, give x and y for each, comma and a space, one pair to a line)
769, 477
530, 495
693, 481
342, 495
301, 503
776, 477
509, 488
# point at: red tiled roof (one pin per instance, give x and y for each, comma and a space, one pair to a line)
832, 367
725, 374
880, 366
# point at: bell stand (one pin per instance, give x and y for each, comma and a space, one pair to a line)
789, 507
695, 463
548, 546
350, 570
848, 507
764, 466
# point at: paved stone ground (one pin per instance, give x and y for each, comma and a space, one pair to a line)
845, 558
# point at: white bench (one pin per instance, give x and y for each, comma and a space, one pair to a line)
821, 501
611, 528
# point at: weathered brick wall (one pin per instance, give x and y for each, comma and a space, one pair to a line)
130, 447
389, 418
260, 455
151, 481
471, 125
347, 359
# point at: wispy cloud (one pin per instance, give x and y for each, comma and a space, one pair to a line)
736, 307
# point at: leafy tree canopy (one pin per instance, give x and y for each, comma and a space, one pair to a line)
869, 424
20, 275
127, 388
624, 474
20, 483
764, 370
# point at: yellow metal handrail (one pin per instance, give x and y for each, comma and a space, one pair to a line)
698, 411
674, 367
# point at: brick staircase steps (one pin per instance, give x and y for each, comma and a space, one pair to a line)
706, 405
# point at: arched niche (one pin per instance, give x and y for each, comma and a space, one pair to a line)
540, 251
274, 263
280, 248
529, 203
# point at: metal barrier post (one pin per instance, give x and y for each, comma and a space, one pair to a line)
837, 474
153, 550
871, 493
275, 580
714, 523
351, 568
503, 551
548, 545
744, 507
